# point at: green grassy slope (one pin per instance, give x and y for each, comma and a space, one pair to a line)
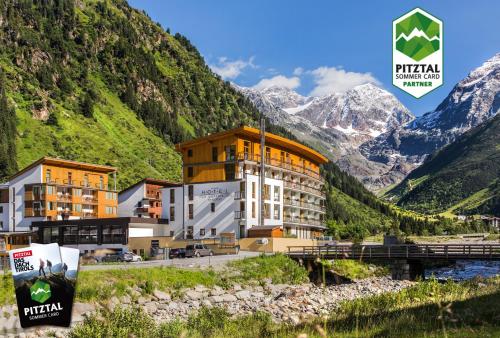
461, 178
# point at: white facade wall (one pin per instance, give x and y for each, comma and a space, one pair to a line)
175, 225
253, 180
129, 200
222, 219
17, 219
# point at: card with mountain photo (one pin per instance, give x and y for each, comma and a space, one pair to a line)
69, 267
44, 295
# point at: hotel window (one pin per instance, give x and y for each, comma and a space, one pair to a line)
253, 209
213, 232
253, 189
277, 212
48, 176
267, 210
110, 210
190, 211
267, 192
190, 152
268, 154
230, 172
172, 214
246, 150
202, 232
172, 195
86, 180
212, 207
190, 171
101, 182
242, 188
172, 233
282, 156
189, 233
276, 193
77, 207
70, 176
215, 154
190, 192
230, 152
51, 205
77, 192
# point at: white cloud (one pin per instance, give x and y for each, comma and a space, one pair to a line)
278, 81
298, 71
231, 69
330, 80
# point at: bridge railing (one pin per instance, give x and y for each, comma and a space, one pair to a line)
399, 251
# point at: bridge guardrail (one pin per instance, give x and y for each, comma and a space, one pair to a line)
399, 251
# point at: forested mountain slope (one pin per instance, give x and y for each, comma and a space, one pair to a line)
463, 177
98, 81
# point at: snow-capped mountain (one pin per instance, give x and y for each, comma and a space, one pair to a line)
362, 113
370, 134
472, 101
337, 123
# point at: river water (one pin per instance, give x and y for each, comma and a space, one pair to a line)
463, 270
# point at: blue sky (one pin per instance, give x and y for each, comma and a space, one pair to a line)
316, 47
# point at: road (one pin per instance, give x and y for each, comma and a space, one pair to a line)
186, 263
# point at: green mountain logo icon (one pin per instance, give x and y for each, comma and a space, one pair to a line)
417, 36
40, 291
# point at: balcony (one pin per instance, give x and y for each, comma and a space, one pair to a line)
297, 186
292, 202
77, 184
280, 164
89, 199
89, 215
302, 220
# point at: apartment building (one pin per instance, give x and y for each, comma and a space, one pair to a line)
143, 199
53, 189
221, 190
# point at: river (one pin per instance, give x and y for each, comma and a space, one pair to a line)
464, 270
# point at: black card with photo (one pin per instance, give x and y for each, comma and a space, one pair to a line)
44, 293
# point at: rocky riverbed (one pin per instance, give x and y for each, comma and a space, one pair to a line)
285, 303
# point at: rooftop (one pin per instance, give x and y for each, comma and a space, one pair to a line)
154, 181
67, 164
255, 133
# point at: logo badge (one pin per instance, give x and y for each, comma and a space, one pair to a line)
417, 52
40, 291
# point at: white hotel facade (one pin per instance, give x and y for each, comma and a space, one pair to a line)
221, 187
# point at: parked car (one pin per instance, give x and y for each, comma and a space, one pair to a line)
131, 257
198, 250
177, 253
112, 257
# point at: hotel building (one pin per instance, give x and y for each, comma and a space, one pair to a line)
221, 190
53, 189
143, 199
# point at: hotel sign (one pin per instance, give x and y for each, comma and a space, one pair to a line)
214, 194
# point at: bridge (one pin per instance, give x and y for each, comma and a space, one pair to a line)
407, 259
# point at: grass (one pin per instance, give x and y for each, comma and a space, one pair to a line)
429, 309
279, 268
358, 270
101, 285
